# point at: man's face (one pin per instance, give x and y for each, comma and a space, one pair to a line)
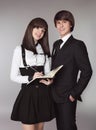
63, 27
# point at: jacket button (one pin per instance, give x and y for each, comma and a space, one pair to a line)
37, 86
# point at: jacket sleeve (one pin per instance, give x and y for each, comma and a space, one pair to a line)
83, 63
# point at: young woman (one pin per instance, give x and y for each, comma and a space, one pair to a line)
33, 105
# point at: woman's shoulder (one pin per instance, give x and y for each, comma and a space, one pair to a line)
17, 50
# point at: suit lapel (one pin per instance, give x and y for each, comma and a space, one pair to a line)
56, 58
68, 42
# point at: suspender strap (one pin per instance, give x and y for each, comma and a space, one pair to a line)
23, 55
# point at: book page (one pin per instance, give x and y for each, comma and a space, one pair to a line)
50, 75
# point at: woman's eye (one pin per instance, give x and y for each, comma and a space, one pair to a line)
43, 31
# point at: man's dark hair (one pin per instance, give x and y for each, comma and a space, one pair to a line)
65, 15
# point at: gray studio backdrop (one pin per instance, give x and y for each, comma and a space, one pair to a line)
14, 18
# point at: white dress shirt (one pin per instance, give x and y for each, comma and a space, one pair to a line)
31, 59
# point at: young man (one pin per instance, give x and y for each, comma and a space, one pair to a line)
67, 88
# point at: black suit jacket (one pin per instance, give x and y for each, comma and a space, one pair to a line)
73, 55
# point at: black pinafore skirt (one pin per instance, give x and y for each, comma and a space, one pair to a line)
34, 102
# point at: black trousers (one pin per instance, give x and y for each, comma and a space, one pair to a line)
66, 115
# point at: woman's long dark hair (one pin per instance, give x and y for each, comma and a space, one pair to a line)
28, 41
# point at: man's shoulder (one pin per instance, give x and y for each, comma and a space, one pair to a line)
56, 43
77, 43
77, 40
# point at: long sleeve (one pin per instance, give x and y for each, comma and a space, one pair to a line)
31, 59
83, 63
15, 73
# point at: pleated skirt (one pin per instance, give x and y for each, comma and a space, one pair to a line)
34, 104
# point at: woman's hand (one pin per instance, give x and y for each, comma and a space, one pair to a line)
71, 98
37, 75
46, 82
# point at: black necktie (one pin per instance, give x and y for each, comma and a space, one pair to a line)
58, 45
56, 50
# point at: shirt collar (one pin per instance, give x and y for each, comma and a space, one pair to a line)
65, 38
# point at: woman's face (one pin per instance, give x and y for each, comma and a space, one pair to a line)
38, 33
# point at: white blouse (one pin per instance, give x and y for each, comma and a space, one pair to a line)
31, 59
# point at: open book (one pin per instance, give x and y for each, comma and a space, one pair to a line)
50, 75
